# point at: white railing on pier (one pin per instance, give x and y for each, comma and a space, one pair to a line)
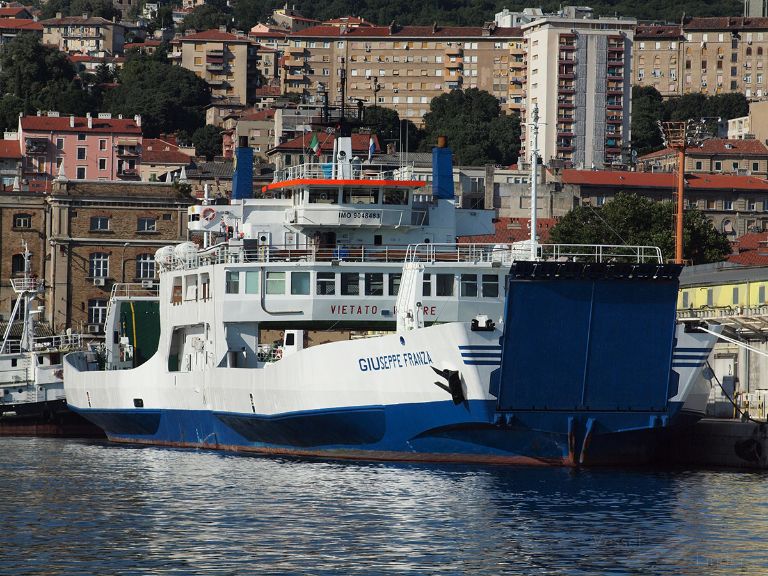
494, 254
362, 171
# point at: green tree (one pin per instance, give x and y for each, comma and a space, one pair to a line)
167, 97
206, 17
10, 107
207, 141
387, 125
100, 8
636, 220
475, 127
646, 112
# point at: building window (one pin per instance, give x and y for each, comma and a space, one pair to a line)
97, 311
755, 167
145, 266
59, 143
299, 283
718, 165
727, 204
81, 153
17, 264
374, 284
99, 223
350, 284
102, 145
22, 221
735, 294
102, 163
99, 265
81, 137
80, 173
699, 164
275, 282
232, 282
326, 284
735, 165
146, 225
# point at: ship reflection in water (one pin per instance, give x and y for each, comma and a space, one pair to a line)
72, 507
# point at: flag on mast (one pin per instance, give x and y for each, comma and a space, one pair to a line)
314, 145
371, 148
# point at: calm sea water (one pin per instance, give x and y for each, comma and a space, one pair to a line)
74, 507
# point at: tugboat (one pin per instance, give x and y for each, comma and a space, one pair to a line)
31, 388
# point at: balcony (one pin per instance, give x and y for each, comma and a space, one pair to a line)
295, 76
295, 62
215, 67
127, 152
36, 145
215, 53
453, 51
293, 50
566, 88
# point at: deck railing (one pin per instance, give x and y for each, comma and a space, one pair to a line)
357, 171
495, 254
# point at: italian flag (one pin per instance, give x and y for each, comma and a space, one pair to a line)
314, 145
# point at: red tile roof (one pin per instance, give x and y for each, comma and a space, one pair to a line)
359, 143
702, 182
157, 151
657, 32
725, 23
750, 250
79, 20
350, 21
268, 91
266, 114
717, 147
406, 32
267, 34
10, 149
20, 24
215, 35
62, 124
146, 43
12, 11
510, 230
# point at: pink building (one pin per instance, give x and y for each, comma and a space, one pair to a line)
90, 148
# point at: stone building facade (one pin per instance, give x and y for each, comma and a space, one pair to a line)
101, 233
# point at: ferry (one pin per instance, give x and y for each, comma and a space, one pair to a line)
31, 372
571, 358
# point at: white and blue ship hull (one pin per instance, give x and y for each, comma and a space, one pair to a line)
580, 396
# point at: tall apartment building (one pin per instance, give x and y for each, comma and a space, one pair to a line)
402, 68
82, 148
578, 74
84, 34
708, 55
225, 61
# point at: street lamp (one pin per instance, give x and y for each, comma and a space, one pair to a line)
680, 135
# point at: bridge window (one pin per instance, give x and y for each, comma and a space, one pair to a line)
323, 196
685, 299
490, 286
361, 196
326, 284
469, 285
350, 284
233, 282
300, 283
17, 264
396, 197
394, 284
275, 282
252, 282
374, 284
444, 284
426, 285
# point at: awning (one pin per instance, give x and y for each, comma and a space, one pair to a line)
127, 141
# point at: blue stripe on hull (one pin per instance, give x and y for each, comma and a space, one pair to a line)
438, 431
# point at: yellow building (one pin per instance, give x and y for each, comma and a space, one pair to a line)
83, 34
723, 287
404, 67
225, 61
709, 55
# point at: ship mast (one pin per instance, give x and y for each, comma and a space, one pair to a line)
534, 176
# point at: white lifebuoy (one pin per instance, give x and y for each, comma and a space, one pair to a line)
208, 214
